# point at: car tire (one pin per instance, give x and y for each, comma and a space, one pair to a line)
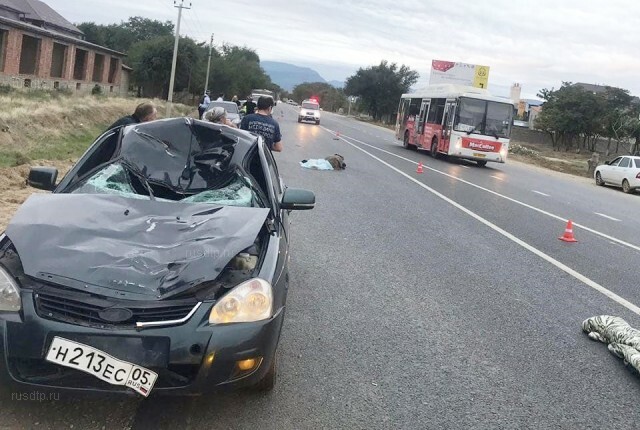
267, 383
481, 163
434, 147
626, 188
299, 120
599, 180
317, 122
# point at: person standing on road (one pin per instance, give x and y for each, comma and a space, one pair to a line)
204, 104
144, 112
250, 106
263, 124
220, 97
235, 100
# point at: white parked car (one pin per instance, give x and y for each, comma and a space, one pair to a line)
622, 172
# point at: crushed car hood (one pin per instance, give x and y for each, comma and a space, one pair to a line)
129, 248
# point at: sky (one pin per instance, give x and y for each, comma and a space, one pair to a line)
538, 44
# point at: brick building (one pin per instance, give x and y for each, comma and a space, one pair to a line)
41, 49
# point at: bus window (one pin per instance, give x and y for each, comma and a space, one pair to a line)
437, 111
414, 107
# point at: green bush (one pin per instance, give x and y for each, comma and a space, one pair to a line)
6, 89
96, 90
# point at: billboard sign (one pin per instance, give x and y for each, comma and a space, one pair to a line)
449, 72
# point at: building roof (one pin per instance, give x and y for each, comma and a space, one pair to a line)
57, 35
37, 11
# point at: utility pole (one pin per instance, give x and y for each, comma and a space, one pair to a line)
206, 81
175, 54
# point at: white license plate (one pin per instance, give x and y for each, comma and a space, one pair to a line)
475, 154
101, 365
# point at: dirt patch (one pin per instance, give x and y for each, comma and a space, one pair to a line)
542, 156
14, 189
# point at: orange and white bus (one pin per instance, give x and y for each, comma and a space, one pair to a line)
459, 121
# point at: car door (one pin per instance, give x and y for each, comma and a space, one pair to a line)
620, 170
607, 171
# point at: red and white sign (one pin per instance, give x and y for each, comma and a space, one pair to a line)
481, 145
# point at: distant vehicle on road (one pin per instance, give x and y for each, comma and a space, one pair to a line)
622, 172
160, 263
257, 93
309, 111
459, 121
233, 114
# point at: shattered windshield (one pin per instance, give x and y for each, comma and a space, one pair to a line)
116, 179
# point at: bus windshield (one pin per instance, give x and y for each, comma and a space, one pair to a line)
483, 117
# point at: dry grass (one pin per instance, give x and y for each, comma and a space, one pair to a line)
543, 156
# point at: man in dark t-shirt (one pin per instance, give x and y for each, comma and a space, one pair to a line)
144, 112
263, 124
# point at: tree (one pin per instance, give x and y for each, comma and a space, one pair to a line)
380, 87
329, 97
151, 62
570, 114
120, 37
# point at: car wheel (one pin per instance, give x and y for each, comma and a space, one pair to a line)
434, 147
481, 163
318, 122
599, 180
299, 120
625, 186
269, 380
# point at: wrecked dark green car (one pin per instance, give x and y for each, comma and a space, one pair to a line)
159, 264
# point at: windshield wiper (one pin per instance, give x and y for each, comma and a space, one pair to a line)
138, 174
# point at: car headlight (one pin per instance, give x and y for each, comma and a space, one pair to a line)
9, 293
248, 302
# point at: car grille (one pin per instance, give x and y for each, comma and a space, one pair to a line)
85, 310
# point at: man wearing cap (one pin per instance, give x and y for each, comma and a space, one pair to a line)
263, 124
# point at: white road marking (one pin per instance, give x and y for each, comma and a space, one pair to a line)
607, 216
580, 277
497, 177
541, 193
526, 205
464, 167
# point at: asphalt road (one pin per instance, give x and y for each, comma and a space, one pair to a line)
441, 300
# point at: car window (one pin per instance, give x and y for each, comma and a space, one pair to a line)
637, 160
615, 161
624, 162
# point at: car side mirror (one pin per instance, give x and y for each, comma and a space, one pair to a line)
298, 199
606, 162
43, 178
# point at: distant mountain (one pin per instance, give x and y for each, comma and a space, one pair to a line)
336, 84
288, 76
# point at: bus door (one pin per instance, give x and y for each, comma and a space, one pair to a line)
447, 124
422, 118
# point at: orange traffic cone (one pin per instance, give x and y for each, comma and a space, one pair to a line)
419, 169
568, 233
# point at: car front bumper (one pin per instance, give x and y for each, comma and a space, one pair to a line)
192, 358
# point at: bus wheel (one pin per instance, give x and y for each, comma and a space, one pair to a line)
405, 142
434, 147
481, 163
